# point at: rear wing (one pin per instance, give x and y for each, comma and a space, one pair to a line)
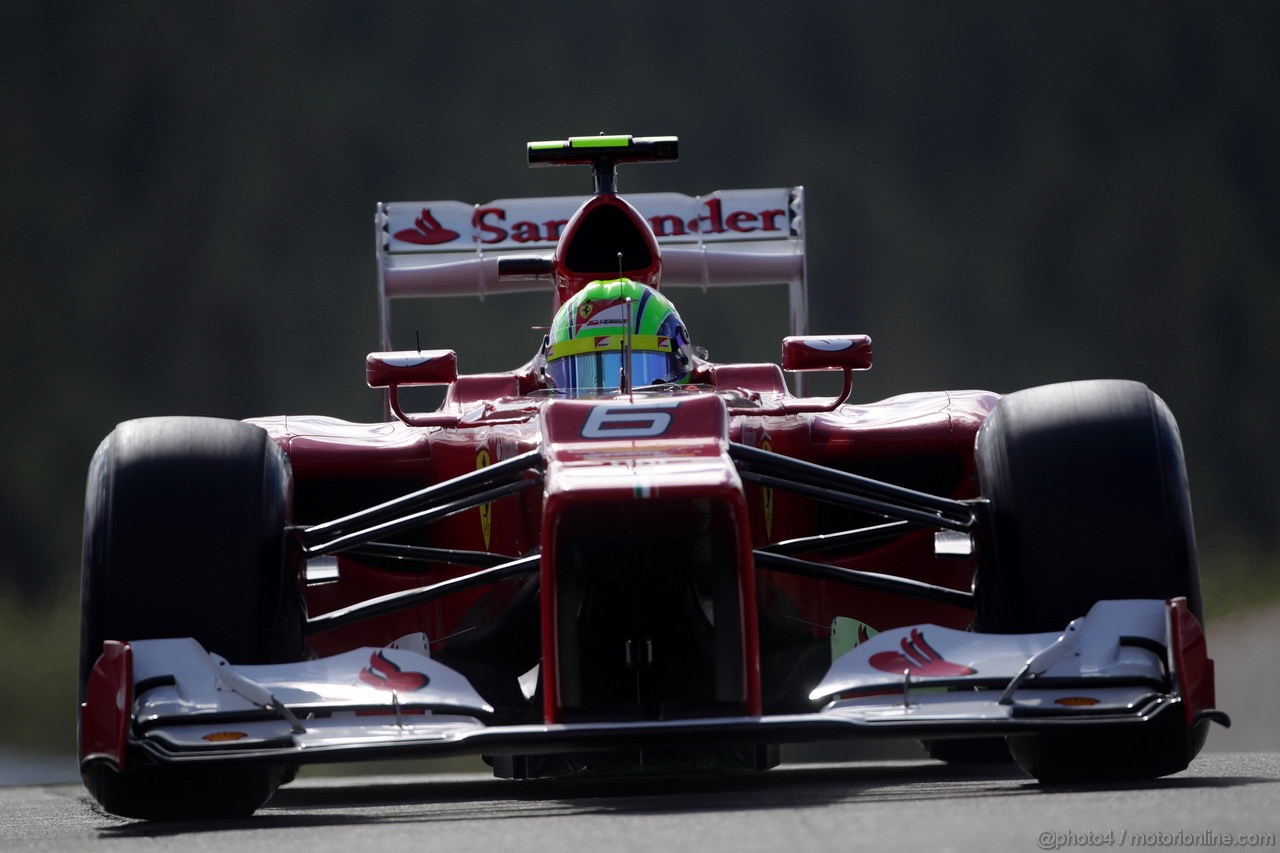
728, 238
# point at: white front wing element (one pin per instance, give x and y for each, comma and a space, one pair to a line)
177, 680
346, 731
1110, 668
1117, 640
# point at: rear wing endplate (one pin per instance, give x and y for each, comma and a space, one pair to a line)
728, 238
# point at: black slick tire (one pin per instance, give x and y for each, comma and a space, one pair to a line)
185, 537
1088, 500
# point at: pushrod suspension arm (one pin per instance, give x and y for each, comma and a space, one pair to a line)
842, 541
865, 580
404, 599
365, 535
795, 475
431, 496
416, 559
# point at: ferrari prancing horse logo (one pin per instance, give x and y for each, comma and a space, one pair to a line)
486, 510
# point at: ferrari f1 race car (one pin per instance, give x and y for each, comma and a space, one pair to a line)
624, 557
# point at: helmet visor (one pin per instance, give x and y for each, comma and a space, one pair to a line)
596, 372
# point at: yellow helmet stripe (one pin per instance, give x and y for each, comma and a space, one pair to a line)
604, 343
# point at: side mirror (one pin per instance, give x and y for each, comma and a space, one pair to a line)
411, 367
826, 352
390, 370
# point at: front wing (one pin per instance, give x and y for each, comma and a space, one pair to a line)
1126, 664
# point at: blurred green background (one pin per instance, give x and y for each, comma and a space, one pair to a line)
1001, 194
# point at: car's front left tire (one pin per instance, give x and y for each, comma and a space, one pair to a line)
1088, 499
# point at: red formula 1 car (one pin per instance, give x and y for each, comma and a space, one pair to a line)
624, 557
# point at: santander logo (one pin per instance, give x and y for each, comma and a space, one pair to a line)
918, 658
383, 674
427, 231
724, 215
491, 225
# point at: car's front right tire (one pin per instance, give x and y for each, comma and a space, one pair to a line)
185, 537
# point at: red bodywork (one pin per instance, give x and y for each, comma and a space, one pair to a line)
643, 479
681, 576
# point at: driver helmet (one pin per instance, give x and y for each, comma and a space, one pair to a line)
584, 349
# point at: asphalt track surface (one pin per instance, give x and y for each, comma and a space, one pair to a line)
1224, 799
